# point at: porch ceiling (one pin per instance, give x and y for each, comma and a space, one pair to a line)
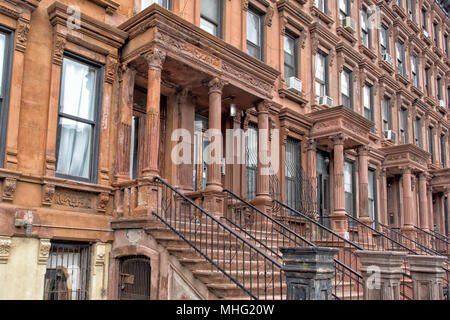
332, 121
405, 155
195, 56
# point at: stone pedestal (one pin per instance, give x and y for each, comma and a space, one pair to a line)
309, 271
213, 202
382, 272
427, 276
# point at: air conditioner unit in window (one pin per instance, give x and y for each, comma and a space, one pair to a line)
425, 33
387, 57
325, 101
390, 135
294, 84
349, 24
442, 103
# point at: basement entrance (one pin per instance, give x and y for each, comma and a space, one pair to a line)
134, 278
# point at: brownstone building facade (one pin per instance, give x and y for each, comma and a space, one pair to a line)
91, 92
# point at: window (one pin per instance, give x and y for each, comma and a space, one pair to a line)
254, 34
427, 80
321, 74
403, 126
79, 108
372, 195
293, 174
417, 130
430, 143
68, 271
322, 5
443, 150
387, 122
211, 16
365, 28
134, 150
438, 88
415, 70
424, 19
400, 3
349, 187
344, 9
251, 159
401, 58
446, 45
384, 40
368, 101
5, 75
436, 34
347, 88
412, 9
290, 56
163, 3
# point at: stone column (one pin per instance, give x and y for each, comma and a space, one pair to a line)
430, 207
423, 202
214, 179
311, 151
427, 275
124, 126
408, 219
447, 191
383, 197
155, 59
309, 271
363, 153
338, 217
262, 200
382, 273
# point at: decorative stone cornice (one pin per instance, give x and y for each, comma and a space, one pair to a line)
155, 58
5, 249
110, 6
44, 251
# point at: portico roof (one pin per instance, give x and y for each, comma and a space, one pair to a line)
405, 155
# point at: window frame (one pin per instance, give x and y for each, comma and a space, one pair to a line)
325, 83
347, 8
375, 193
219, 23
443, 155
295, 55
384, 30
412, 10
95, 142
438, 88
325, 5
415, 74
427, 81
169, 5
436, 34
431, 143
350, 88
371, 101
403, 125
6, 86
261, 15
387, 108
418, 132
252, 195
368, 32
401, 60
353, 192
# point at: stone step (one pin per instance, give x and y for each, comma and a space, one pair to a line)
212, 276
226, 290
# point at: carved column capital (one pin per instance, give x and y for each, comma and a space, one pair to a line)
111, 69
263, 106
216, 85
44, 250
311, 145
23, 27
155, 58
5, 249
363, 150
338, 139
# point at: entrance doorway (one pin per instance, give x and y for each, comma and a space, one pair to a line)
323, 186
134, 278
200, 166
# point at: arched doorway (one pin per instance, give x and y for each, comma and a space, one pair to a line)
134, 278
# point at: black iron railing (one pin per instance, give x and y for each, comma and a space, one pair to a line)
432, 240
237, 258
320, 235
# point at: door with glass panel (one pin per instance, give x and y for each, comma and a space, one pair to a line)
200, 166
293, 174
323, 186
251, 160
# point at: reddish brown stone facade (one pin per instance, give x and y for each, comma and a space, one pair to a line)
161, 67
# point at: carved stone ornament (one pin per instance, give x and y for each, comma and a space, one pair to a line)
44, 251
48, 191
338, 139
244, 5
311, 144
9, 187
103, 200
23, 27
155, 58
284, 134
111, 69
59, 43
216, 85
268, 17
5, 249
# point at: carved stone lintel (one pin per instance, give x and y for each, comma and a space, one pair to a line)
103, 200
155, 58
216, 85
48, 191
44, 250
5, 249
9, 187
59, 44
23, 27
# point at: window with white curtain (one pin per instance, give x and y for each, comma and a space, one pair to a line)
365, 28
384, 40
372, 194
321, 5
349, 188
211, 16
77, 125
290, 56
321, 74
401, 58
251, 159
415, 70
387, 122
417, 132
344, 9
347, 88
368, 101
254, 34
6, 46
162, 3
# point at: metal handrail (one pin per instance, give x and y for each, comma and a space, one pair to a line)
431, 238
185, 221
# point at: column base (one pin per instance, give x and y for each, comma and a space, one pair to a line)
339, 222
213, 188
214, 202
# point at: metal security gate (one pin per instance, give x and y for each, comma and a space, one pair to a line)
134, 278
293, 178
251, 160
67, 274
